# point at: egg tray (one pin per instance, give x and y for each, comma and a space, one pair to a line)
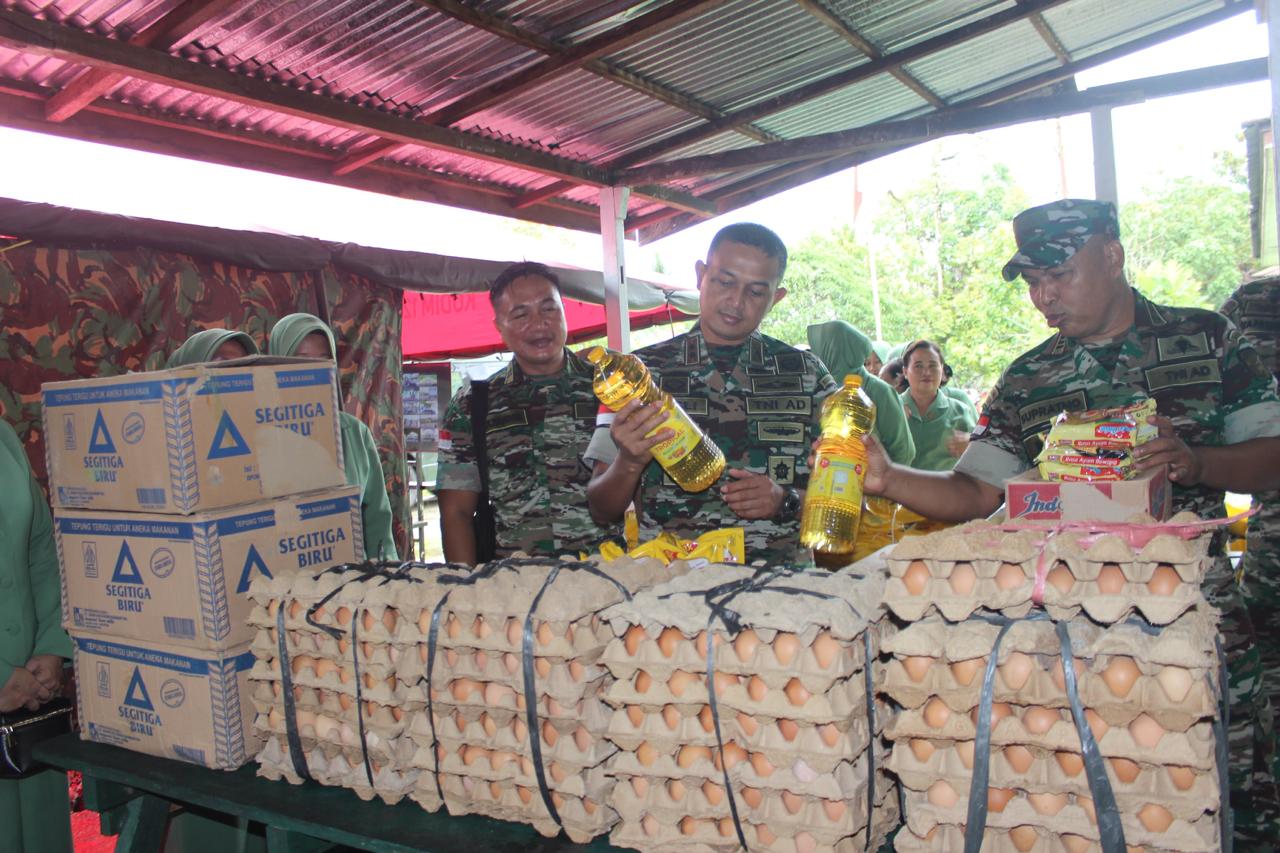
947, 837
321, 645
390, 784
565, 749
464, 795
456, 718
381, 748
1199, 836
717, 835
774, 678
381, 717
567, 680
822, 747
456, 692
1044, 774
1193, 748
842, 603
382, 690
1034, 646
582, 638
342, 668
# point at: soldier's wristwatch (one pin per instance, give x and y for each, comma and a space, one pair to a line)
790, 505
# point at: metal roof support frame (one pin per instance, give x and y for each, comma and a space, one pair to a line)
613, 214
1104, 156
1272, 10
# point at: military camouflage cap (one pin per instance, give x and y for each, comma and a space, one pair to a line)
1050, 234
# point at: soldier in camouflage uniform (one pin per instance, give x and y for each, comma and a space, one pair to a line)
1255, 309
757, 398
541, 415
1219, 419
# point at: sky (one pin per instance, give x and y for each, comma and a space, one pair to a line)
1170, 136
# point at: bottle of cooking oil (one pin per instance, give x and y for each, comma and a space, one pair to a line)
833, 500
693, 460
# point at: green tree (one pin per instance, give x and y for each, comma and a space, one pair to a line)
827, 278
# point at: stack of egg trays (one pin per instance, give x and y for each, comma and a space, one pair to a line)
1150, 696
795, 746
349, 642
491, 742
1010, 568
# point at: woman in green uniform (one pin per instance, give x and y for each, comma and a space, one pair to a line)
212, 345
304, 335
34, 812
940, 424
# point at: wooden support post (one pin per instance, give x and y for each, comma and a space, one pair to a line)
1104, 156
613, 212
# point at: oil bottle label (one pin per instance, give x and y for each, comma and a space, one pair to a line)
686, 439
837, 476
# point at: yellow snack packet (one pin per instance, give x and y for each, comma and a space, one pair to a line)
726, 545
665, 547
1124, 427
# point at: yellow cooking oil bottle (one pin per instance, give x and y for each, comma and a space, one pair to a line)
690, 458
833, 499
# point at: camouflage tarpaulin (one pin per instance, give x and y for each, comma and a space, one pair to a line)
72, 313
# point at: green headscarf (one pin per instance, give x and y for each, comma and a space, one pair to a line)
289, 332
201, 346
841, 347
895, 352
881, 349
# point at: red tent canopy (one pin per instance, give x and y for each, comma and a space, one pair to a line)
452, 325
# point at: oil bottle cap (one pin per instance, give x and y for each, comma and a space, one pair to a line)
597, 355
852, 381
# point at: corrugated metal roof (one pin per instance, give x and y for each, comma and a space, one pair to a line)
404, 58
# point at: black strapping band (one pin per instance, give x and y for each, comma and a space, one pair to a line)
286, 694
355, 666
1226, 821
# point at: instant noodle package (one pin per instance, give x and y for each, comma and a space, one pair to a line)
1060, 687
743, 706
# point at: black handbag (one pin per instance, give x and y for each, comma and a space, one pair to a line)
484, 523
21, 730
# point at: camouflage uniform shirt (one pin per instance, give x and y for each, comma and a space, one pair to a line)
1203, 375
537, 431
763, 416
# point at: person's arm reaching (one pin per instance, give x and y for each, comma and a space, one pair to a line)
1248, 467
940, 495
614, 484
457, 526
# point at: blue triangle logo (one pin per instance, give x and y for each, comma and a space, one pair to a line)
100, 440
136, 696
126, 570
227, 440
251, 562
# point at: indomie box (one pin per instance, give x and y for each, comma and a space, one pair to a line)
192, 706
1027, 496
193, 438
183, 581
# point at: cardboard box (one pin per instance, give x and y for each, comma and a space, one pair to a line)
192, 706
1027, 496
183, 581
193, 438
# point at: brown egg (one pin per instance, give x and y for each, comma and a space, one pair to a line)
1183, 777
324, 667
542, 667
632, 639
526, 766
1075, 843
725, 826
688, 826
544, 634
295, 608
1146, 731
998, 798
1175, 682
1126, 771
1070, 762
788, 729
576, 670
1111, 580
1038, 720
1097, 725
471, 753
722, 681
676, 790
762, 765
917, 667
825, 648
500, 758
510, 662
680, 681
498, 694
834, 809
792, 802
301, 662
936, 713
753, 797
452, 628
367, 621
745, 645
1120, 676
1010, 576
922, 749
557, 800
668, 641
640, 784
756, 688
796, 693
747, 724
962, 579
646, 754
999, 710
480, 628
916, 577
733, 755
705, 719
1019, 758
1155, 818
964, 749
514, 631
1016, 670
964, 670
713, 793
764, 835
495, 791
670, 716
519, 729
1023, 837
785, 647
274, 719
525, 794
943, 795
700, 643
1047, 804
1164, 580
1060, 578
489, 726
1059, 678
549, 733
480, 659
649, 824
635, 714
690, 755
829, 734
805, 843
643, 681
582, 739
